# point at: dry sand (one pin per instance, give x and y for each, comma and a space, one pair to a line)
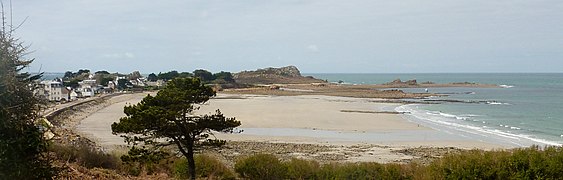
309, 119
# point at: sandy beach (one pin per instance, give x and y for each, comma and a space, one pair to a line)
339, 124
329, 120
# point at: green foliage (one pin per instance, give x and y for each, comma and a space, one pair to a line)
123, 84
80, 74
302, 169
22, 145
143, 155
105, 80
141, 160
169, 116
185, 75
261, 166
168, 75
223, 77
527, 163
102, 72
206, 167
152, 77
352, 171
204, 75
72, 83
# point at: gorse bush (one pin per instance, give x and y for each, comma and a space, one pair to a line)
206, 167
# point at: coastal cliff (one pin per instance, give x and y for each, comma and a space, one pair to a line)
283, 75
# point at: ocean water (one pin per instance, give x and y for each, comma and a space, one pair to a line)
527, 110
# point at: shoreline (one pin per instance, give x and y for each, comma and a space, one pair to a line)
390, 128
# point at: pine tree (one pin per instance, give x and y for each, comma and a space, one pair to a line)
22, 145
168, 119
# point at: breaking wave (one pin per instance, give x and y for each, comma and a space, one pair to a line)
445, 122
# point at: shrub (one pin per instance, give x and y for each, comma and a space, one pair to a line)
261, 166
85, 156
526, 163
302, 169
474, 164
206, 166
364, 170
140, 161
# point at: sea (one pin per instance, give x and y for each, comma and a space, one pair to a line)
526, 109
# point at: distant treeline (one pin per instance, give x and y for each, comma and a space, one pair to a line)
206, 76
102, 77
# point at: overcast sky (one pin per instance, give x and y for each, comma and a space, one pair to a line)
318, 36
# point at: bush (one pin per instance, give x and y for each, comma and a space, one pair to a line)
352, 171
206, 166
141, 161
527, 163
261, 166
85, 156
302, 169
474, 164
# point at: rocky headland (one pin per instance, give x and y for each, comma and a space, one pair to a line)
283, 75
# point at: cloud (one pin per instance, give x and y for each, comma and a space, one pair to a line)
126, 55
313, 48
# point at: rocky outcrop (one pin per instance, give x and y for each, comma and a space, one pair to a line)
283, 75
399, 82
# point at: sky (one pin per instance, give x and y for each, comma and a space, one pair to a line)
317, 36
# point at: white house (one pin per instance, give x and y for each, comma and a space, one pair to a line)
87, 87
74, 95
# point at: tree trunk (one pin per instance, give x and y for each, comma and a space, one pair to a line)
191, 161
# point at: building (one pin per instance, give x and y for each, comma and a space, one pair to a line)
75, 95
87, 87
53, 91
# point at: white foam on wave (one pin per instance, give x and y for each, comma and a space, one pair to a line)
446, 120
497, 103
506, 86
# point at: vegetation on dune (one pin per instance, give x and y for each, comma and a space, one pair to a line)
526, 163
168, 119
